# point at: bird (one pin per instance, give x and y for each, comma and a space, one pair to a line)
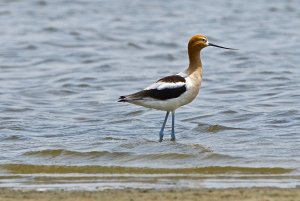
171, 92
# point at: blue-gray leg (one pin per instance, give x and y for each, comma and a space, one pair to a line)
161, 133
173, 125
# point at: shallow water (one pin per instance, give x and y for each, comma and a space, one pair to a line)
63, 65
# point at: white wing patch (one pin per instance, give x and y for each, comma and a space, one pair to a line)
182, 74
165, 85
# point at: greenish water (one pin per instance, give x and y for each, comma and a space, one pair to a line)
31, 169
63, 65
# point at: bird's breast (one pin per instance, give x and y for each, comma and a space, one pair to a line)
193, 83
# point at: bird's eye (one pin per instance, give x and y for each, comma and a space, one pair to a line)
204, 40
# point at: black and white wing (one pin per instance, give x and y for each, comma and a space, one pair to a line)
166, 88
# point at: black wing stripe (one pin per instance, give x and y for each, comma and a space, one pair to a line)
163, 94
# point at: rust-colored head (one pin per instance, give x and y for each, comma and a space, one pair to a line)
200, 41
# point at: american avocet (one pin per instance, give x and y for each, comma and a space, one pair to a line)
172, 92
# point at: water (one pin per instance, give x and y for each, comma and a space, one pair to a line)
63, 65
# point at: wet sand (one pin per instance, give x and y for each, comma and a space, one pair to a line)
249, 194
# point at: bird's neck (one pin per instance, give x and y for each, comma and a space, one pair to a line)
195, 61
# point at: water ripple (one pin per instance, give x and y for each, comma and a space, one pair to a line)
63, 66
75, 154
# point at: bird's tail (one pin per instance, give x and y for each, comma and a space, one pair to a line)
131, 97
122, 99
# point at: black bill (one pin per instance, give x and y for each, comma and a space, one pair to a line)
210, 44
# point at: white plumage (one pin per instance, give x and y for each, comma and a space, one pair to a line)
165, 85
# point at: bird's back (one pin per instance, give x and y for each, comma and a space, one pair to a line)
167, 93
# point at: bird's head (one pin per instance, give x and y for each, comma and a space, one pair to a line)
200, 41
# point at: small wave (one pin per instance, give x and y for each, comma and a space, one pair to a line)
196, 118
162, 44
65, 45
53, 169
87, 79
135, 113
47, 61
16, 110
52, 153
30, 47
134, 45
68, 85
50, 29
214, 128
166, 156
216, 156
61, 92
12, 138
229, 112
159, 56
5, 12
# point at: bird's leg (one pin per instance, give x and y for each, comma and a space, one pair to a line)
161, 133
173, 125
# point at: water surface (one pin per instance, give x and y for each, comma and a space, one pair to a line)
63, 65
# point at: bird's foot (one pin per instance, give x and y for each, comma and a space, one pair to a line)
173, 136
161, 136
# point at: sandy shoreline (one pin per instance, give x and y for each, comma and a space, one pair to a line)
249, 194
